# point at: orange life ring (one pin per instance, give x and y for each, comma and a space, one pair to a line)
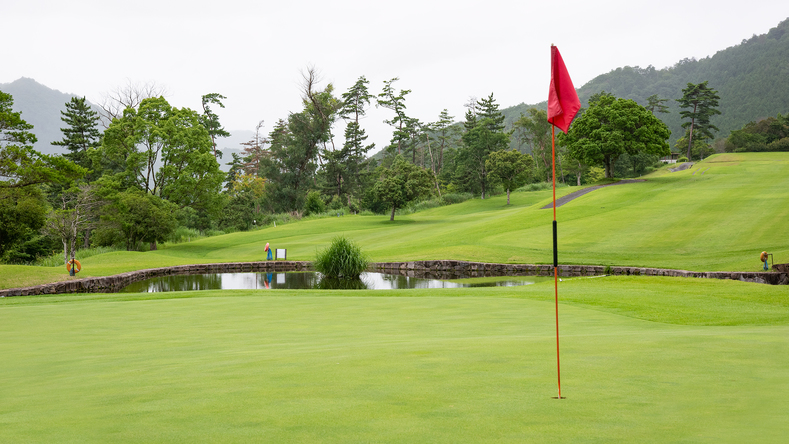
763, 256
76, 264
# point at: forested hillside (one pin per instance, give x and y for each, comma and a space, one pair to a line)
752, 79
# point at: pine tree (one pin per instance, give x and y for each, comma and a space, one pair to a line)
82, 132
703, 101
656, 104
389, 100
487, 108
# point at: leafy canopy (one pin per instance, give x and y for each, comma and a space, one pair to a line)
612, 127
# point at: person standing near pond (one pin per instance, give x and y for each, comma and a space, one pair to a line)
268, 256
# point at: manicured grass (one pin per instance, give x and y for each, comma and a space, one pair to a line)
717, 216
643, 360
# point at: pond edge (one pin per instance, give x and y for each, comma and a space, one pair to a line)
436, 269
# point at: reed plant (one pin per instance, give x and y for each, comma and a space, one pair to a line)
343, 259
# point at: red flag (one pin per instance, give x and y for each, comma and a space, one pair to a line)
563, 101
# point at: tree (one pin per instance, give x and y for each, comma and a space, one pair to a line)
210, 120
478, 143
699, 147
389, 99
344, 168
22, 166
77, 212
140, 217
446, 134
656, 104
295, 147
612, 127
22, 214
82, 133
511, 168
701, 102
402, 183
165, 151
115, 102
487, 108
535, 129
254, 151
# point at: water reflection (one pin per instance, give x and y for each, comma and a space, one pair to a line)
306, 280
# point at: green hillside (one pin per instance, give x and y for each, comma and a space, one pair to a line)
717, 216
752, 80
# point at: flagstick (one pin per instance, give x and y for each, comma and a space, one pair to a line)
555, 258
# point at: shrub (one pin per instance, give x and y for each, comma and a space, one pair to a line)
341, 260
682, 159
314, 204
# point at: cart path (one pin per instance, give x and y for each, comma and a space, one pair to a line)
576, 194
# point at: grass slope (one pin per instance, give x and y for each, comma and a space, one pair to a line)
717, 216
643, 360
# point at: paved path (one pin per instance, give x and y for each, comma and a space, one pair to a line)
576, 194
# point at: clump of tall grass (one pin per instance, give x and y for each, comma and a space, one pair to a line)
343, 259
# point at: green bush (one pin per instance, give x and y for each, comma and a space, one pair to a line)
682, 159
314, 203
341, 260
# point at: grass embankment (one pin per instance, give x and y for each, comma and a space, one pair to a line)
717, 216
643, 360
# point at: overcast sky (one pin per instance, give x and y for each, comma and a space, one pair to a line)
253, 52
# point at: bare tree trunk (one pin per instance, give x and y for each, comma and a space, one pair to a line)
508, 196
391, 218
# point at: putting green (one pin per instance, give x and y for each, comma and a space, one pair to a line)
457, 365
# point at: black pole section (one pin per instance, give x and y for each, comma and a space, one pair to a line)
555, 247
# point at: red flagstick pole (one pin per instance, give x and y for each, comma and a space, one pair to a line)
555, 259
563, 105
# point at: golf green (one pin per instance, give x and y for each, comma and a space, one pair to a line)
454, 365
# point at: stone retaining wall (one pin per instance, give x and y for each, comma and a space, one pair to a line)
423, 269
462, 269
110, 284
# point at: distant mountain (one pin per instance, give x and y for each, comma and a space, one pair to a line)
40, 106
752, 80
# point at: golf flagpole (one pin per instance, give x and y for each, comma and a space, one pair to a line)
563, 104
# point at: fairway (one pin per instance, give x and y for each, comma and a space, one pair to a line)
457, 365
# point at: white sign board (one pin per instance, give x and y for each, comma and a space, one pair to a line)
282, 254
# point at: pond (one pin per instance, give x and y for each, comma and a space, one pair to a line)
312, 280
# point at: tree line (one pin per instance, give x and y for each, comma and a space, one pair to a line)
154, 168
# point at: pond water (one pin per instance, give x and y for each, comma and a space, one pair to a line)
312, 280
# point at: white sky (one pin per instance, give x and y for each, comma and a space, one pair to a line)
444, 51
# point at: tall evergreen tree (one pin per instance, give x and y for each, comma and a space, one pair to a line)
487, 108
656, 104
445, 133
700, 103
344, 167
82, 132
389, 99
